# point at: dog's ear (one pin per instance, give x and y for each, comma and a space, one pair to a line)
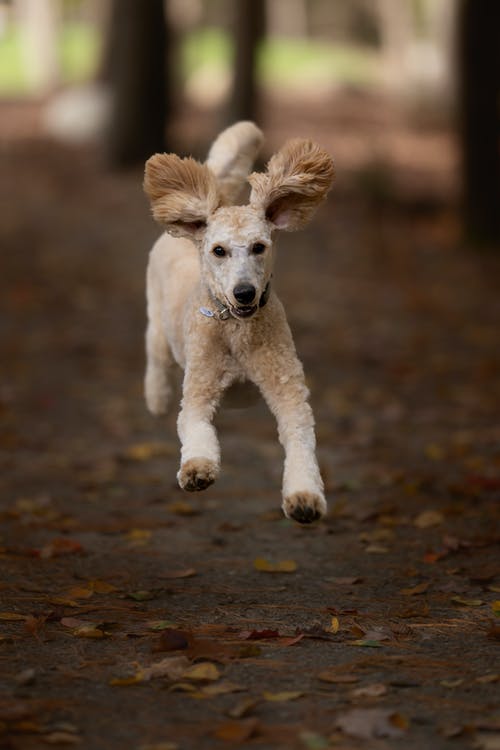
183, 194
297, 180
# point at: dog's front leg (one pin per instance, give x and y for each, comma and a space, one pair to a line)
204, 382
280, 376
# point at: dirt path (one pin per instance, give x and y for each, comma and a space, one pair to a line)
134, 616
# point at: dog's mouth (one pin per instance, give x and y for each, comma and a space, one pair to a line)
244, 311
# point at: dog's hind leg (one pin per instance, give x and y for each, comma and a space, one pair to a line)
158, 355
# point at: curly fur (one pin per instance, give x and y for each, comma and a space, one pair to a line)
255, 343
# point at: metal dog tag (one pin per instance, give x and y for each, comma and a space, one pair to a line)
206, 312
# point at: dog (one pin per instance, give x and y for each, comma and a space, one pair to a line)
212, 307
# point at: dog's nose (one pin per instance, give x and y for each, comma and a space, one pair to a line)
244, 293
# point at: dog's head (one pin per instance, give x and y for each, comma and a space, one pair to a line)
236, 242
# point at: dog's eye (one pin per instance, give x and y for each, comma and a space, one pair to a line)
258, 248
219, 251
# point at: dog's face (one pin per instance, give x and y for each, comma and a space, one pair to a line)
235, 242
237, 257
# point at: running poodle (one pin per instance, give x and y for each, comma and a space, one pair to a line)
211, 305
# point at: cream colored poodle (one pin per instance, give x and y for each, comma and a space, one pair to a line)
211, 305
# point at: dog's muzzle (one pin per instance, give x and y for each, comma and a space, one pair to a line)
244, 311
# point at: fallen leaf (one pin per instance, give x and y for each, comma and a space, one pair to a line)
242, 708
370, 723
374, 690
143, 595
428, 518
495, 606
160, 746
452, 683
78, 592
172, 640
160, 625
26, 677
125, 681
172, 667
182, 508
487, 678
101, 587
467, 602
147, 450
282, 697
236, 731
72, 622
138, 537
12, 616
59, 547
256, 635
88, 631
365, 643
331, 675
376, 549
314, 741
420, 588
283, 566
203, 671
187, 573
334, 626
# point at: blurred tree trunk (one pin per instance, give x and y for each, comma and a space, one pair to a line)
39, 21
135, 67
248, 29
480, 113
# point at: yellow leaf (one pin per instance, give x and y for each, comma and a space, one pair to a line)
12, 616
435, 452
78, 592
182, 508
287, 695
101, 587
334, 626
428, 518
147, 451
283, 566
88, 631
124, 681
420, 588
139, 537
203, 671
467, 602
495, 606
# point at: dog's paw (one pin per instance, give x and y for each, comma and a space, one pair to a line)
304, 507
197, 474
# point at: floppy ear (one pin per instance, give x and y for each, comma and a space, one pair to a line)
297, 180
183, 194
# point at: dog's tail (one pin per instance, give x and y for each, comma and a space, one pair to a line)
231, 158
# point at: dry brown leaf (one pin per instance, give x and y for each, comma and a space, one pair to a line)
182, 508
243, 708
186, 573
12, 616
428, 518
420, 588
282, 566
236, 731
333, 676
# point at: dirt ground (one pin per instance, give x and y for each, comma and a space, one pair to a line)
135, 616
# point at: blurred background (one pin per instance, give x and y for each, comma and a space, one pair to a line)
392, 292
